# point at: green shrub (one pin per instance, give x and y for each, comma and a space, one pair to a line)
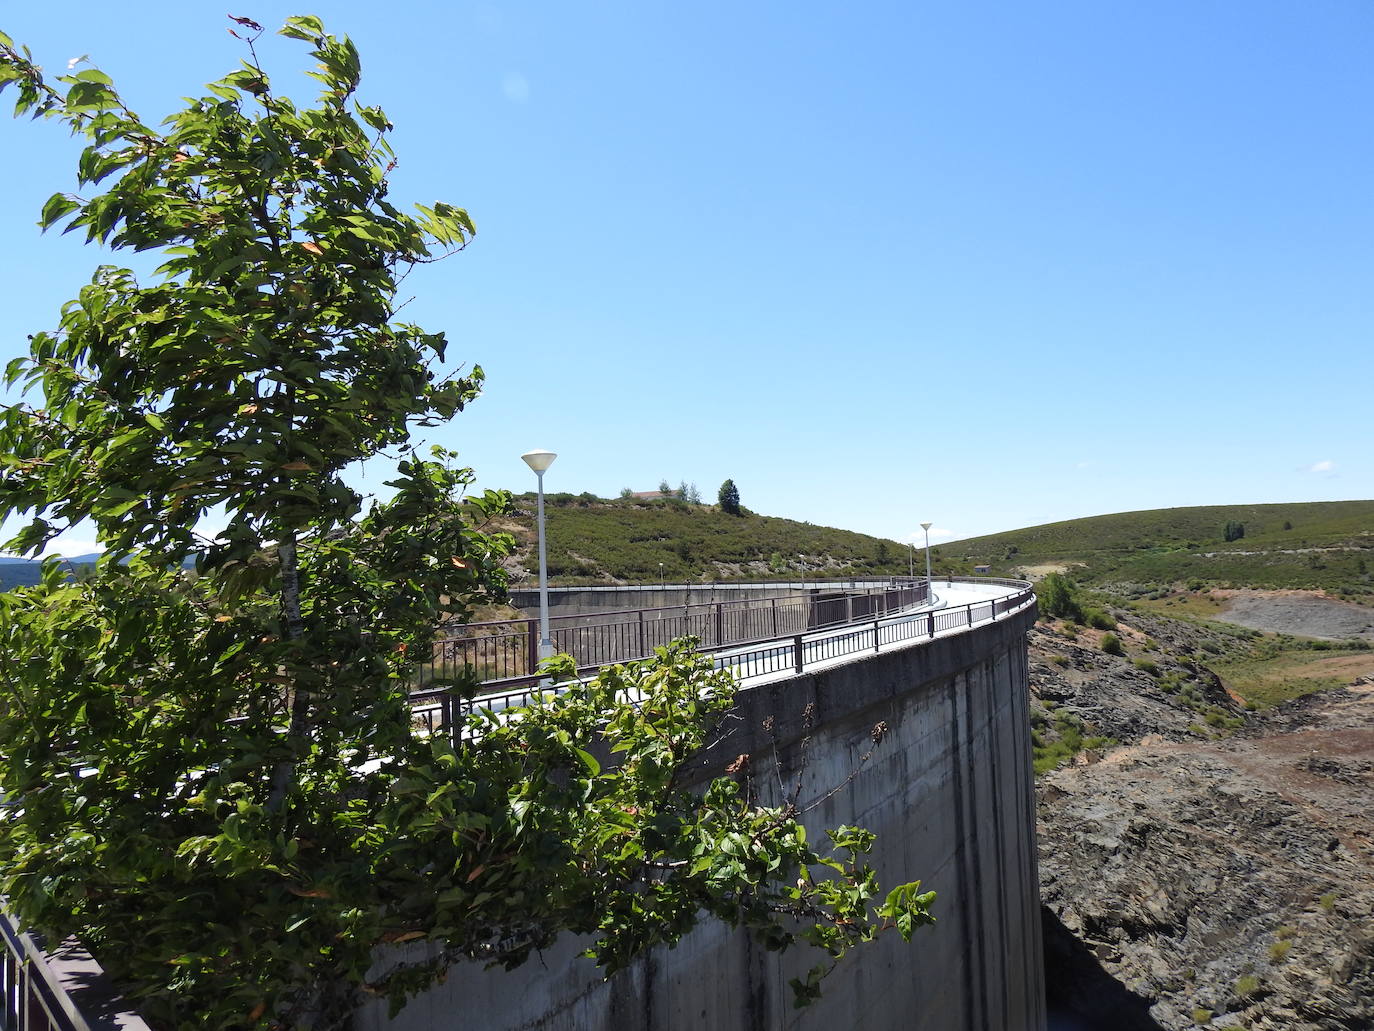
1278, 951
1057, 596
1060, 660
1111, 644
1202, 1016
1099, 620
1247, 986
1328, 902
1148, 666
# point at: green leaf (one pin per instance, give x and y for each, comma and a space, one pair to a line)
305, 26
58, 205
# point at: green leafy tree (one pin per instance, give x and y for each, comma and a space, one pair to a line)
1057, 596
729, 498
1233, 531
215, 777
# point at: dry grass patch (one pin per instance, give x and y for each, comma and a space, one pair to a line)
1269, 681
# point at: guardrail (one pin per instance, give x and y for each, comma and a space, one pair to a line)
505, 653
792, 653
61, 991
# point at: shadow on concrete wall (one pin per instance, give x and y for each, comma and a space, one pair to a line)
1081, 995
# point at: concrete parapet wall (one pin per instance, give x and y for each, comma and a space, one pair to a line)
949, 793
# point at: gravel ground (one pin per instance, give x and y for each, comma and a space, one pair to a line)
1306, 615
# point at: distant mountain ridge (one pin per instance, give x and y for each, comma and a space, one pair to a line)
20, 572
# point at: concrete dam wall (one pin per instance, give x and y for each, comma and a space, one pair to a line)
949, 793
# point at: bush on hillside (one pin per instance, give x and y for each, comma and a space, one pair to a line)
1099, 620
1058, 597
1111, 644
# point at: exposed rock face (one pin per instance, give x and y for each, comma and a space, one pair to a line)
1120, 700
1225, 883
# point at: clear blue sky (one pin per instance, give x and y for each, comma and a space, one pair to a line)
989, 265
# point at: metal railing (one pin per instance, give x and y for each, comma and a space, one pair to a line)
506, 652
63, 991
792, 653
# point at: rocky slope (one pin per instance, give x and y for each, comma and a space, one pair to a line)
1214, 871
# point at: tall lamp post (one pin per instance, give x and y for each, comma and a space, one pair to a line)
926, 528
911, 561
539, 461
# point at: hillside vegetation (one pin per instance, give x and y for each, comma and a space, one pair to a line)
601, 540
1320, 545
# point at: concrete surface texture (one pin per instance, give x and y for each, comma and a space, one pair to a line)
949, 792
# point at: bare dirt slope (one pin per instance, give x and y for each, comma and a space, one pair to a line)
1225, 883
1303, 613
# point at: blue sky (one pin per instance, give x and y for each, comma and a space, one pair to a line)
989, 265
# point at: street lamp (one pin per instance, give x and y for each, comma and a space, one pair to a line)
660, 576
911, 561
539, 461
926, 527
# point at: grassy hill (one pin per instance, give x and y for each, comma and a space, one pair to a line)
1324, 545
596, 540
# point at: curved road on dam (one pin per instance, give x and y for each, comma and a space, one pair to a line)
954, 607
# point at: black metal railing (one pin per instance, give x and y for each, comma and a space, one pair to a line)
62, 991
506, 653
793, 652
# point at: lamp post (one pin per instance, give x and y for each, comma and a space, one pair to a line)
926, 528
539, 461
911, 561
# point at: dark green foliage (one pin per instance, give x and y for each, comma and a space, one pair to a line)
1058, 597
728, 497
1111, 644
1233, 531
1098, 619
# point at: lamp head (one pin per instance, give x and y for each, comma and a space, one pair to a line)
926, 527
539, 460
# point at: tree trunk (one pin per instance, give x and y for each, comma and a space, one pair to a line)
301, 696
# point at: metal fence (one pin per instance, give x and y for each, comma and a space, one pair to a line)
506, 653
791, 652
40, 991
